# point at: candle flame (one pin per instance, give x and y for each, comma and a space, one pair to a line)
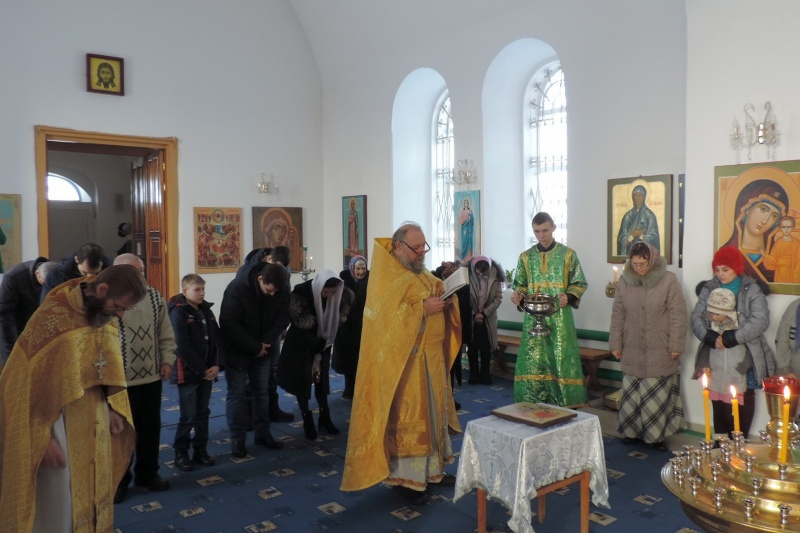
705, 380
615, 269
786, 393
733, 391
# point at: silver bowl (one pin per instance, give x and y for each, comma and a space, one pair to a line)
539, 306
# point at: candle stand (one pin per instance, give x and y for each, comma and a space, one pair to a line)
742, 486
306, 271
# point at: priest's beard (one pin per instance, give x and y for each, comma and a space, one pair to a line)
417, 266
95, 311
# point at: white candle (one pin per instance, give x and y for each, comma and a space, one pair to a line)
615, 274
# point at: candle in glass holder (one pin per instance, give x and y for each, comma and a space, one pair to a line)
706, 407
615, 274
735, 408
785, 420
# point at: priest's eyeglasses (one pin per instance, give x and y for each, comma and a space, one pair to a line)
421, 249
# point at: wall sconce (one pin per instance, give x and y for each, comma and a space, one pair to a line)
466, 172
755, 133
268, 184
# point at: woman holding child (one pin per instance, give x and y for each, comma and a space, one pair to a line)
648, 335
718, 337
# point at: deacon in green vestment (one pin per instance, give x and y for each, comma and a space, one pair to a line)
548, 369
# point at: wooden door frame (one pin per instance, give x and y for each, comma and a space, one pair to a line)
170, 147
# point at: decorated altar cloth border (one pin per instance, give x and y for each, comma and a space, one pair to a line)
510, 461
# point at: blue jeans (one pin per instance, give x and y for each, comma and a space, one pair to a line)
236, 405
193, 399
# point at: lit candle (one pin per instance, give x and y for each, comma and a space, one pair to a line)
615, 274
735, 408
310, 263
706, 410
785, 421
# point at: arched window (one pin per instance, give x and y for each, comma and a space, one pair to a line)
443, 162
546, 180
61, 189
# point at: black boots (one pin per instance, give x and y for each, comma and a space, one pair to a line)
238, 449
275, 413
325, 421
182, 461
308, 426
269, 441
200, 457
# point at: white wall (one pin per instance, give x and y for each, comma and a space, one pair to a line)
235, 82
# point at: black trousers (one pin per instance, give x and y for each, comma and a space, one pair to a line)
723, 414
480, 346
145, 403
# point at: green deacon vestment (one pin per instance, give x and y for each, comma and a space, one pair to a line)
548, 369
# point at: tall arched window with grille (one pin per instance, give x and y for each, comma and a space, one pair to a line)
546, 179
443, 161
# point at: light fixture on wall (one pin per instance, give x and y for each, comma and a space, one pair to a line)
466, 173
756, 133
268, 184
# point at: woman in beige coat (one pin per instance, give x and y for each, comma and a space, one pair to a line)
649, 322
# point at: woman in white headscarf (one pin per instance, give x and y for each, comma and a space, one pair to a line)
316, 310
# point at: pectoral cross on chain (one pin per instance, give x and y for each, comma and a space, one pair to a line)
100, 366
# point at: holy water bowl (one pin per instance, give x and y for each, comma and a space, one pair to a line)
539, 306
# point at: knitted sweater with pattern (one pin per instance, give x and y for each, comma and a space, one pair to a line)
147, 339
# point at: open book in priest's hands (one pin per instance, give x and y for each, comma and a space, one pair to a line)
455, 281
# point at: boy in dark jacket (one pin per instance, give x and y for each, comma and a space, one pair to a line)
199, 352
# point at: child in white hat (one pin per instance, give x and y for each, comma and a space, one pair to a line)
727, 366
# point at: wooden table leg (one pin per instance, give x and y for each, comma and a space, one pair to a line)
542, 507
482, 511
585, 502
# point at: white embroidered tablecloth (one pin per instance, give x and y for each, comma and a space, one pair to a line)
509, 460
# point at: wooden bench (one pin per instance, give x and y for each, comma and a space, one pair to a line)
590, 358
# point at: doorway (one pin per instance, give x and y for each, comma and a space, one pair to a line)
154, 195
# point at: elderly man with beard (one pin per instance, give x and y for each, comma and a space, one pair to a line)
403, 409
66, 431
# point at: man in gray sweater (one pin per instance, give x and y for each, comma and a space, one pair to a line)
148, 351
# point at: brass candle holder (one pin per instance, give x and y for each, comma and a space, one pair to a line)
611, 289
742, 486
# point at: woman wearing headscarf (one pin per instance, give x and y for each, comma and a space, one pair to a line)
753, 317
486, 295
648, 335
317, 308
348, 340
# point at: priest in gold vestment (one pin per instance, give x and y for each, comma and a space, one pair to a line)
403, 408
65, 425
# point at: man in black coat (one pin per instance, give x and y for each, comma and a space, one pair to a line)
20, 293
254, 313
88, 259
